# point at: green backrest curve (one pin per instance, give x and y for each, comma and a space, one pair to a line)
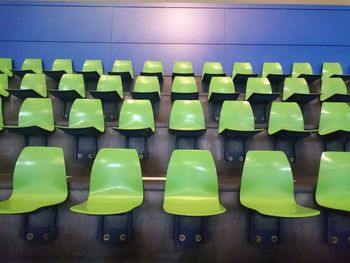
136, 114
87, 113
1, 117
295, 85
212, 68
72, 82
285, 116
236, 115
151, 66
333, 178
184, 85
191, 173
40, 171
257, 85
222, 85
123, 66
266, 176
6, 66
187, 115
110, 83
36, 112
299, 68
36, 82
93, 65
116, 170
147, 84
335, 116
332, 86
183, 67
241, 68
271, 68
62, 64
34, 64
331, 68
4, 85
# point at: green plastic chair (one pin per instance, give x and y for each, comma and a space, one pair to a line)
115, 183
297, 90
335, 117
109, 88
304, 70
4, 85
182, 68
222, 88
273, 68
32, 85
1, 117
93, 65
33, 64
259, 89
153, 68
6, 66
35, 116
212, 69
241, 71
331, 69
146, 88
39, 180
123, 68
334, 90
71, 86
267, 186
191, 187
65, 65
333, 184
184, 88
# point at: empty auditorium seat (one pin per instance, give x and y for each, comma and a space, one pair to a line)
187, 120
267, 186
92, 70
6, 66
333, 70
32, 85
153, 68
184, 88
297, 90
35, 118
236, 122
241, 71
212, 69
304, 70
273, 71
30, 65
191, 187
136, 119
334, 90
123, 68
182, 68
60, 67
146, 88
4, 85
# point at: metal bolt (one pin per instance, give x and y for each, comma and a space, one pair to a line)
258, 239
122, 237
30, 236
274, 239
334, 240
80, 156
141, 156
91, 156
241, 158
198, 238
106, 237
46, 236
230, 158
291, 159
182, 237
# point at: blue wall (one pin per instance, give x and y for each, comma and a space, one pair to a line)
170, 32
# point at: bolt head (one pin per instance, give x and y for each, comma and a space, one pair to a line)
182, 238
122, 237
29, 236
106, 237
198, 238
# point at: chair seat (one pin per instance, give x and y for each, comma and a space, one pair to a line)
343, 77
193, 206
240, 77
188, 132
126, 76
310, 77
303, 98
277, 77
31, 130
89, 75
240, 133
88, 131
262, 97
23, 94
335, 200
292, 134
221, 97
108, 96
338, 98
184, 95
55, 75
68, 95
21, 73
135, 131
331, 133
152, 96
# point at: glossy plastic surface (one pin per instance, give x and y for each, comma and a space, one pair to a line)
335, 116
151, 66
115, 183
212, 68
271, 68
333, 184
223, 85
4, 85
191, 187
257, 85
91, 65
62, 64
183, 67
301, 68
39, 180
241, 68
107, 83
36, 82
6, 66
295, 86
331, 68
72, 82
184, 85
267, 186
123, 66
187, 115
146, 84
34, 64
332, 86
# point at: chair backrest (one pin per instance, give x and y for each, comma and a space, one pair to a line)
110, 83
147, 84
34, 64
212, 68
332, 86
118, 171
331, 68
36, 82
62, 64
258, 85
72, 82
151, 66
123, 66
271, 68
221, 85
41, 171
184, 85
241, 68
187, 115
299, 68
295, 85
87, 113
4, 85
285, 116
236, 115
6, 66
136, 114
37, 112
93, 65
1, 117
183, 67
335, 116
